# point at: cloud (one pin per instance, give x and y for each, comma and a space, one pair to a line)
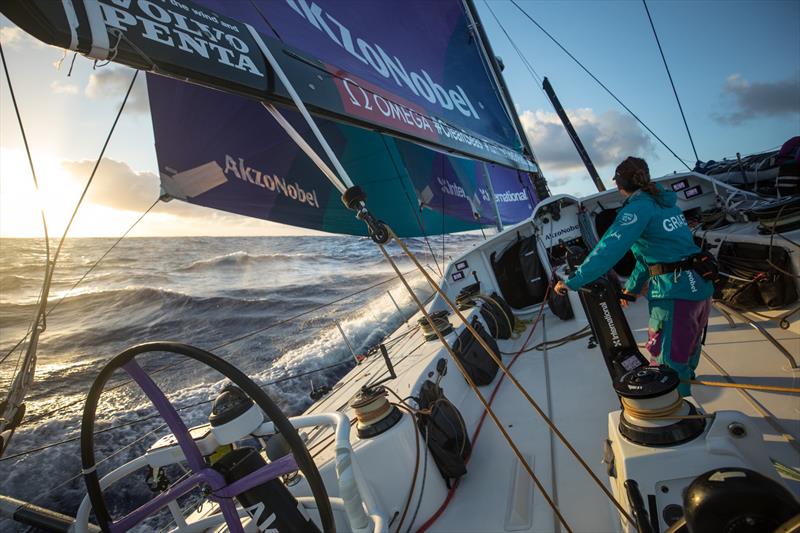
759, 99
116, 184
14, 37
559, 181
57, 87
114, 81
608, 137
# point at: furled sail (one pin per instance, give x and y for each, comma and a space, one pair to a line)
412, 68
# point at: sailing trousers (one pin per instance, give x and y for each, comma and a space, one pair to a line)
676, 332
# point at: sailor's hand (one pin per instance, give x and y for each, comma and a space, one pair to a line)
631, 297
561, 288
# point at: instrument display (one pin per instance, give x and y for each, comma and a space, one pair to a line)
680, 185
694, 191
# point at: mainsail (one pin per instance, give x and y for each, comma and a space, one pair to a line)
411, 68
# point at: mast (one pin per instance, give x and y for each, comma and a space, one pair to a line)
508, 102
573, 135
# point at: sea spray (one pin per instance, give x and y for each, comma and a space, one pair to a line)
202, 291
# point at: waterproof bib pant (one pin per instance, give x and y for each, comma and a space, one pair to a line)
675, 330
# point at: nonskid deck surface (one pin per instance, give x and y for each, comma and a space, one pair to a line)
572, 386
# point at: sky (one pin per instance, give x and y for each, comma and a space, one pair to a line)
736, 66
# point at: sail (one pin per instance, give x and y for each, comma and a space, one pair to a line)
226, 152
412, 68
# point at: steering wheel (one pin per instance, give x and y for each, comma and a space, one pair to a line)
201, 473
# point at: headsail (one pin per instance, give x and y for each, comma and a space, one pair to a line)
225, 152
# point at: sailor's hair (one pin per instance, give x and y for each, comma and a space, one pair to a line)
633, 174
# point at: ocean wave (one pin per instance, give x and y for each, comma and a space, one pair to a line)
244, 259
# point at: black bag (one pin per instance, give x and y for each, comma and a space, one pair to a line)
445, 431
479, 365
767, 284
498, 317
532, 270
519, 274
559, 304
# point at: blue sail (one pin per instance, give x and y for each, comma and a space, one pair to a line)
226, 152
415, 86
413, 67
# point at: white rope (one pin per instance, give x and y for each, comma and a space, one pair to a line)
301, 142
344, 182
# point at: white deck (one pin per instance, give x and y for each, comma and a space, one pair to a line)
571, 384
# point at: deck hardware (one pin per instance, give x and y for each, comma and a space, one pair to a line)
737, 430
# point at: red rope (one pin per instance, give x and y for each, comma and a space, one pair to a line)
424, 527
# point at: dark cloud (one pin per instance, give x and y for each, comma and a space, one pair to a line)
116, 184
759, 99
113, 81
609, 138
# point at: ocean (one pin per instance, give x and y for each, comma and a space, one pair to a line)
229, 295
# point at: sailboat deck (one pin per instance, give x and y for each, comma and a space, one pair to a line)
572, 386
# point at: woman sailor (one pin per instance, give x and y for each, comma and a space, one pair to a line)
651, 225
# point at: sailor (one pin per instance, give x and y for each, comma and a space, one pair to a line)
650, 225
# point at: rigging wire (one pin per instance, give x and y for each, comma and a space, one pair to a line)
67, 405
74, 286
41, 302
524, 59
96, 263
52, 264
601, 84
674, 90
94, 171
27, 150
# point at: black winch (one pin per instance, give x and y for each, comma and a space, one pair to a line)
654, 414
374, 412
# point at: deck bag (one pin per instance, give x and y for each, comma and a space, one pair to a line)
559, 304
443, 427
498, 316
756, 282
532, 270
518, 273
479, 365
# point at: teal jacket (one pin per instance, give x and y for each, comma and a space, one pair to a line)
655, 230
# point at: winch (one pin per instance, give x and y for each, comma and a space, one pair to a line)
654, 414
374, 412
